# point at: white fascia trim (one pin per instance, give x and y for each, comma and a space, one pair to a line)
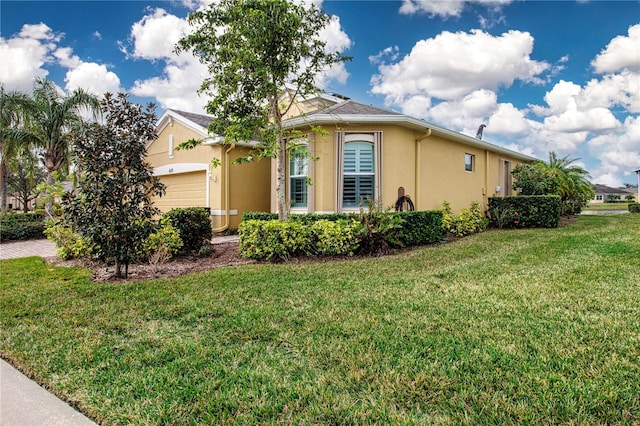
404, 120
169, 115
173, 169
224, 212
219, 140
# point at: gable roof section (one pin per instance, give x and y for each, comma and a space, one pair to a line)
350, 111
196, 122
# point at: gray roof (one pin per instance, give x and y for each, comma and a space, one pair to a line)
351, 107
604, 189
199, 119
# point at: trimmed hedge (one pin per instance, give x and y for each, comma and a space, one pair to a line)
420, 227
21, 226
634, 207
193, 225
525, 211
263, 237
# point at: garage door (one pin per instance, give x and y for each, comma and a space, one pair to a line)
183, 190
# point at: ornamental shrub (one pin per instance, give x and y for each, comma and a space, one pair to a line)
539, 211
468, 221
163, 244
193, 225
69, 244
335, 238
378, 230
274, 240
420, 227
634, 207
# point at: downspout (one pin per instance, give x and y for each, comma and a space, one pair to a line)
416, 197
485, 190
227, 185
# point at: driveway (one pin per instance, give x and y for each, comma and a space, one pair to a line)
15, 249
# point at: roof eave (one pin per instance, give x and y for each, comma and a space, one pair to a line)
404, 120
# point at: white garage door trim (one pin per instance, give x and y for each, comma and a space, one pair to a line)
179, 168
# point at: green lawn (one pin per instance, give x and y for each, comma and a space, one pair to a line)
607, 206
518, 327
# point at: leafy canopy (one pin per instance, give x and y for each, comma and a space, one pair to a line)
117, 183
255, 50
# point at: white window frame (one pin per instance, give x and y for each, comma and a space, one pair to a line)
304, 177
343, 138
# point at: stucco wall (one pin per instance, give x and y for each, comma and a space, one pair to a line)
441, 164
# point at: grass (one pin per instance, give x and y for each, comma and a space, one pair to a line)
607, 206
529, 326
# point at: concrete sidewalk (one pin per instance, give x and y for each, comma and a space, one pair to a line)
25, 403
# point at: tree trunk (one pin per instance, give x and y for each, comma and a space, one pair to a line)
281, 188
3, 182
48, 207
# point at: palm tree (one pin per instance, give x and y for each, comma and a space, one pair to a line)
13, 136
53, 116
573, 185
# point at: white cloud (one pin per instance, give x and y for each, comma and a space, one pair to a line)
35, 47
336, 40
443, 9
454, 8
154, 38
156, 35
25, 55
92, 77
623, 52
452, 65
390, 53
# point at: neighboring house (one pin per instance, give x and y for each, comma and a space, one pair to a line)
368, 151
637, 172
191, 180
605, 193
361, 151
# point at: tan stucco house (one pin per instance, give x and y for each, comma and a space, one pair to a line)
361, 151
192, 181
364, 150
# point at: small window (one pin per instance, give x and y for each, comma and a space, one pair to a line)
298, 174
598, 197
469, 162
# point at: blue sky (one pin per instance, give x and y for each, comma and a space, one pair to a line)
559, 76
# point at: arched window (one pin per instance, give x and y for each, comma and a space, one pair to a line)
358, 173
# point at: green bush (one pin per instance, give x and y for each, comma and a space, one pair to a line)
335, 238
378, 230
274, 240
259, 216
70, 244
21, 226
537, 211
420, 227
468, 221
634, 207
193, 225
162, 244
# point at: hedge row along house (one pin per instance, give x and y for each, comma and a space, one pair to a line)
361, 151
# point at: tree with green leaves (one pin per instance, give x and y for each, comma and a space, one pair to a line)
534, 179
25, 174
54, 115
573, 185
253, 50
560, 176
14, 138
113, 207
